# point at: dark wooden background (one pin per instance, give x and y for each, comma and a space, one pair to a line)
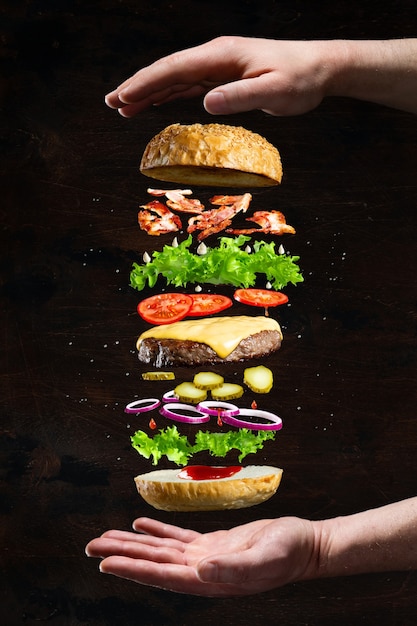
345, 376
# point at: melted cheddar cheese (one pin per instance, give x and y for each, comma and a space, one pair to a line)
222, 334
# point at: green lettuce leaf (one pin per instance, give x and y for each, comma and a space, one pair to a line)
227, 264
179, 450
166, 442
244, 440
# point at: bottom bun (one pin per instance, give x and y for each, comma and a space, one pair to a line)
165, 490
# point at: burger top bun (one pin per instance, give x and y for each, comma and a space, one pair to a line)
212, 155
165, 490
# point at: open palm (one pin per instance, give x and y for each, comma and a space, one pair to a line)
247, 559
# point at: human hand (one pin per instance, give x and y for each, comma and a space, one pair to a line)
236, 74
245, 560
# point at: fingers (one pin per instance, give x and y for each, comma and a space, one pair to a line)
119, 98
157, 541
175, 577
174, 93
163, 530
148, 540
167, 76
186, 73
234, 97
109, 546
158, 566
169, 576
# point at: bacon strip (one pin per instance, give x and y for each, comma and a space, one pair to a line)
177, 202
271, 223
163, 192
156, 219
215, 220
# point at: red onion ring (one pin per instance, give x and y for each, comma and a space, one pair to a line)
275, 422
140, 406
218, 408
169, 410
170, 396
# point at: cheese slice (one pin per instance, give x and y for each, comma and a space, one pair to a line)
222, 334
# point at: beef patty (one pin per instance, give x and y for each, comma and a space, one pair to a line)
164, 352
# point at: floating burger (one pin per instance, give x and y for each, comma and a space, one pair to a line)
208, 155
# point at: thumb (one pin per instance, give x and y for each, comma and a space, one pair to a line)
238, 96
225, 568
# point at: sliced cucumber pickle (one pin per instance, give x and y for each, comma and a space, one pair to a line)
227, 391
188, 392
259, 379
158, 376
208, 380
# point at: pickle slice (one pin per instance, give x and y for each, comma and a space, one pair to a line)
208, 380
158, 376
227, 391
188, 392
259, 379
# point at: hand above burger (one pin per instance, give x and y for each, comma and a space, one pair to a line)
236, 74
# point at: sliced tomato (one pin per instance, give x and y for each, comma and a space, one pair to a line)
208, 303
260, 297
165, 308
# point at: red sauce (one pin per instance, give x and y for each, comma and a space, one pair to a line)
204, 472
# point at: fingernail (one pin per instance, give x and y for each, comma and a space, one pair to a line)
107, 101
215, 102
208, 572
